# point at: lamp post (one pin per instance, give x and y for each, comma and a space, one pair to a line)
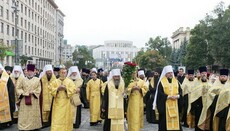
60, 47
15, 9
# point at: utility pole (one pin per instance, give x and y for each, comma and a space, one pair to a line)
15, 7
60, 47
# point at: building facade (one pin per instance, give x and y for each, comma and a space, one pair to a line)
67, 54
180, 36
114, 53
36, 30
59, 37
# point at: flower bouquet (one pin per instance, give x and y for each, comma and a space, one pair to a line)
128, 69
127, 72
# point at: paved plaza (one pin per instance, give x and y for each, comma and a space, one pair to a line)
86, 127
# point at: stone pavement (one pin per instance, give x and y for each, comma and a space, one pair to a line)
86, 127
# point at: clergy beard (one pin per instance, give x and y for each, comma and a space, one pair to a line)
48, 76
203, 79
223, 81
30, 76
73, 77
190, 79
116, 83
16, 75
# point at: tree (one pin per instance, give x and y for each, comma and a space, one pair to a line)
68, 64
219, 43
24, 59
162, 45
3, 50
83, 58
210, 41
138, 56
150, 60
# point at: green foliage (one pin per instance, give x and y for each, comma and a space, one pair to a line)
160, 44
157, 55
68, 64
3, 49
150, 60
83, 58
24, 59
210, 41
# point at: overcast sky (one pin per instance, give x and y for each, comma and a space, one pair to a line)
92, 22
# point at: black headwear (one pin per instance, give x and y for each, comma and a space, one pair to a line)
190, 71
224, 72
203, 69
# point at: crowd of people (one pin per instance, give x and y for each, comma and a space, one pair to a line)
55, 97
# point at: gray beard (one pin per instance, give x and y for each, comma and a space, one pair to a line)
116, 82
73, 77
16, 75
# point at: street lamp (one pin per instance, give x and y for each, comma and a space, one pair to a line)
60, 47
15, 7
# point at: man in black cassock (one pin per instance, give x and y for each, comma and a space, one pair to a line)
222, 111
180, 76
167, 78
85, 76
187, 86
150, 113
11, 94
8, 69
197, 105
211, 100
56, 72
113, 103
101, 75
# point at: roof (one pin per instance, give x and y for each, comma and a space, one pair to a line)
53, 3
61, 12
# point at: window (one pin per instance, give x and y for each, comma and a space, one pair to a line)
29, 12
1, 11
35, 40
25, 24
25, 37
21, 22
28, 26
32, 27
26, 49
35, 51
25, 10
35, 29
32, 39
2, 27
29, 37
12, 14
12, 31
35, 16
21, 35
8, 30
7, 14
32, 15
21, 8
33, 3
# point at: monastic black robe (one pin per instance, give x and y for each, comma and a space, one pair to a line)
11, 94
161, 105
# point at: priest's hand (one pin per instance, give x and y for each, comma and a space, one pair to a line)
78, 90
61, 88
173, 97
103, 110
